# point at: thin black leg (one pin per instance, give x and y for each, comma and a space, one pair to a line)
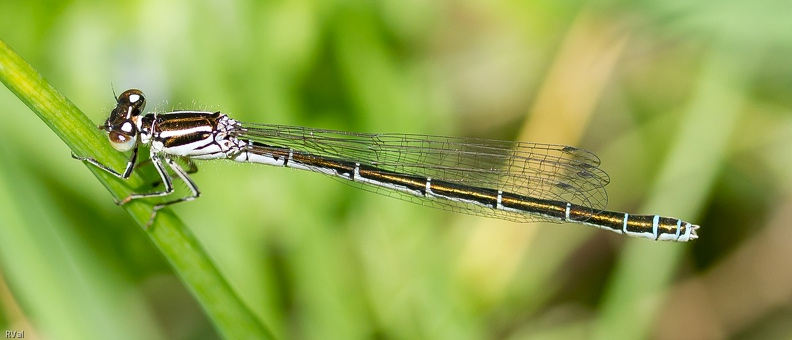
187, 180
127, 172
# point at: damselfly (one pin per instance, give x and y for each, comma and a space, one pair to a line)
514, 181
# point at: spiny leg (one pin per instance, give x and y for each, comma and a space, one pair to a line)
127, 172
187, 180
191, 167
166, 179
164, 176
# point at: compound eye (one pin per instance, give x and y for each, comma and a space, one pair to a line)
121, 142
133, 98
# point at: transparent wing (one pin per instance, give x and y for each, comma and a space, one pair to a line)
546, 171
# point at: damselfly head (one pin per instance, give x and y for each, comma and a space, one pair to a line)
122, 125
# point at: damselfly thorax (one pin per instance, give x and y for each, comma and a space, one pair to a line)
516, 181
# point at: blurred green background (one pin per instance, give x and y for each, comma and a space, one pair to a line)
688, 104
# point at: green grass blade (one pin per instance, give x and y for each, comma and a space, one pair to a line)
231, 316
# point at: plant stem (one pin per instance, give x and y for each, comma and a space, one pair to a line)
191, 263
